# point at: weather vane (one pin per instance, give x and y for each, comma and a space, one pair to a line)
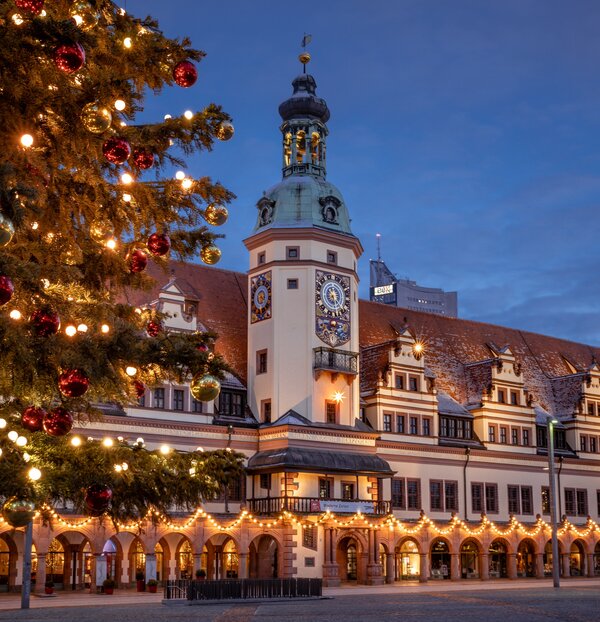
304, 57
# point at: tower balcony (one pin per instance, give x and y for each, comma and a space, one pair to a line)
335, 361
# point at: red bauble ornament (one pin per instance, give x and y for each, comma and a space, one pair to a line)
185, 73
69, 57
58, 422
154, 328
116, 150
138, 260
159, 244
45, 322
203, 347
31, 6
143, 158
97, 498
139, 388
6, 289
73, 383
32, 418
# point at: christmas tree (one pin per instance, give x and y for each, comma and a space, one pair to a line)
85, 204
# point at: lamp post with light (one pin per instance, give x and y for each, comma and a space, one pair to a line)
555, 558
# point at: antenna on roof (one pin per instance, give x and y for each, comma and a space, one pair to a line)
378, 236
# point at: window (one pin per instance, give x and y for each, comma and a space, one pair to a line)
400, 424
196, 406
325, 488
178, 399
413, 494
598, 502
492, 433
292, 252
501, 396
526, 500
451, 496
503, 435
514, 433
261, 362
236, 490
593, 444
399, 381
491, 498
332, 257
514, 501
292, 283
426, 426
576, 503
347, 491
591, 408
330, 412
309, 537
453, 427
266, 411
398, 498
514, 398
476, 497
582, 504
265, 481
525, 436
159, 398
583, 442
262, 258
414, 425
436, 502
387, 423
413, 383
570, 508
231, 403
545, 500
142, 400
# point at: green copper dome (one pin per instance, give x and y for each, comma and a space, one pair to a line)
303, 201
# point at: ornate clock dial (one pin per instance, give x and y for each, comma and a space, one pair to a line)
260, 297
332, 308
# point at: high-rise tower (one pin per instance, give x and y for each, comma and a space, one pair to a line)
303, 284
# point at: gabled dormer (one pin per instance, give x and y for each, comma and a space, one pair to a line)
405, 369
179, 301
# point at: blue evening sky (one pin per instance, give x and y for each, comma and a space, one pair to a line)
466, 132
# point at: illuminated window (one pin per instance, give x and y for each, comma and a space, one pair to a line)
300, 146
287, 148
325, 488
347, 491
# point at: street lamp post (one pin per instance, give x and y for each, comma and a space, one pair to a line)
555, 556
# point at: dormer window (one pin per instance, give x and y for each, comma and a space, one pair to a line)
265, 211
329, 210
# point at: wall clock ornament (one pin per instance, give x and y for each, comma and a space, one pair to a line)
260, 297
332, 308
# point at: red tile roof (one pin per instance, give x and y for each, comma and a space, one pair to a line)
451, 343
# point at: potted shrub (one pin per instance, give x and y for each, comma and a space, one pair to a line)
140, 581
108, 585
152, 586
49, 587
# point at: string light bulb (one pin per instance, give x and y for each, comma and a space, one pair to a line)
120, 105
180, 175
27, 140
111, 244
15, 314
188, 114
34, 474
82, 328
13, 436
127, 42
108, 442
186, 184
70, 330
165, 449
76, 441
105, 328
126, 179
130, 370
21, 441
2, 424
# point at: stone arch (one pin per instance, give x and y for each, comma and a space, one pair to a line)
440, 558
548, 561
184, 558
407, 559
265, 556
221, 557
470, 558
527, 550
349, 554
76, 560
113, 554
8, 562
577, 558
498, 551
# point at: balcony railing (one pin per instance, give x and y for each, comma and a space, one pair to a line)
315, 505
341, 361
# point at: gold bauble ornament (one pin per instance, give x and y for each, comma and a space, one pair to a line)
73, 255
210, 254
205, 388
84, 15
96, 118
7, 230
18, 512
100, 230
225, 131
216, 215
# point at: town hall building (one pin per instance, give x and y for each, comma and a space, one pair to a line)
383, 444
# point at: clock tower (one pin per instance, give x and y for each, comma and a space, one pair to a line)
303, 284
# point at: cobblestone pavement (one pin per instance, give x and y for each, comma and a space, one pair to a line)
539, 604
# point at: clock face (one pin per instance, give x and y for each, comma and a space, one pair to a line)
332, 308
260, 297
